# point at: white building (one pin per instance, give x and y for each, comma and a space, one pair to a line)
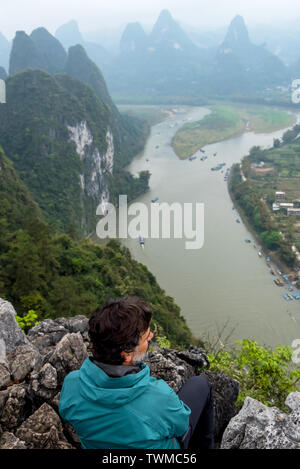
279, 196
293, 212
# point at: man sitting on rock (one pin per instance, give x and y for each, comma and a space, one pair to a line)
113, 402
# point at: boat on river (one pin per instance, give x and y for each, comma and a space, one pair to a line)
216, 168
278, 282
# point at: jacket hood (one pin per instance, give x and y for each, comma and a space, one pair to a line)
97, 386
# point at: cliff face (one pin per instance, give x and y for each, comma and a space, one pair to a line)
46, 114
61, 143
96, 166
34, 367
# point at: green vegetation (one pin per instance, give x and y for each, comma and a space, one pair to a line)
55, 275
49, 275
27, 321
151, 114
264, 374
255, 196
225, 122
35, 137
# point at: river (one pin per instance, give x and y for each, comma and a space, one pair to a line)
225, 282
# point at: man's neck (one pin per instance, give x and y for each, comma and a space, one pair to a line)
117, 371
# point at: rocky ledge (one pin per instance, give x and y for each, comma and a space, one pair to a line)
33, 367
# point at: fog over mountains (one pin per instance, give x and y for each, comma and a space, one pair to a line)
167, 61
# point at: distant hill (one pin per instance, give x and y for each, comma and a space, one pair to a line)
165, 62
25, 54
242, 66
126, 129
53, 52
69, 35
61, 138
80, 66
42, 51
134, 39
39, 51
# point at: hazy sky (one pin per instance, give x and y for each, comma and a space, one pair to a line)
96, 14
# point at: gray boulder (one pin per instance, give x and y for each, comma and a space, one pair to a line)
194, 356
23, 360
14, 408
4, 376
11, 335
2, 352
48, 333
44, 383
176, 368
225, 391
10, 441
165, 364
43, 430
69, 354
257, 426
3, 398
76, 324
55, 348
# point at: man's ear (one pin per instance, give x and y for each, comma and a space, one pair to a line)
127, 358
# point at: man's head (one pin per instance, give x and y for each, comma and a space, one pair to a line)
120, 331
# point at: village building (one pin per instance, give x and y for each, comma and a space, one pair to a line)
279, 196
293, 212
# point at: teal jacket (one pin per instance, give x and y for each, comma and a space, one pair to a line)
132, 411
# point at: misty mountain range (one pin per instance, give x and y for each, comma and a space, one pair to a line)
165, 62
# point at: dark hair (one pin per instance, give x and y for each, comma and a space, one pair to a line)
117, 327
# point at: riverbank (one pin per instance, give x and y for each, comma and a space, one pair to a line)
224, 282
265, 221
228, 121
152, 114
275, 263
